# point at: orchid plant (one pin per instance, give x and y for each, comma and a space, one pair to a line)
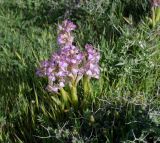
66, 67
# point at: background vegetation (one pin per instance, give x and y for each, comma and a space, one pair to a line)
125, 107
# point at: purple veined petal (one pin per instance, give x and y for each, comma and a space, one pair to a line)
96, 76
87, 65
96, 69
39, 73
52, 78
96, 72
54, 58
60, 74
63, 71
49, 70
74, 71
68, 48
63, 64
73, 49
80, 56
52, 88
65, 39
44, 63
73, 61
65, 48
62, 39
89, 73
69, 51
67, 25
89, 48
93, 55
81, 71
52, 64
92, 66
68, 60
61, 84
98, 56
90, 57
70, 25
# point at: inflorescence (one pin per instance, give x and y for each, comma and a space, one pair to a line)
69, 64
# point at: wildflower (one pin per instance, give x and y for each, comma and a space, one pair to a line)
69, 65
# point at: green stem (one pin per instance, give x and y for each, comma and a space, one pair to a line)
153, 17
86, 86
65, 97
157, 13
87, 91
74, 96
